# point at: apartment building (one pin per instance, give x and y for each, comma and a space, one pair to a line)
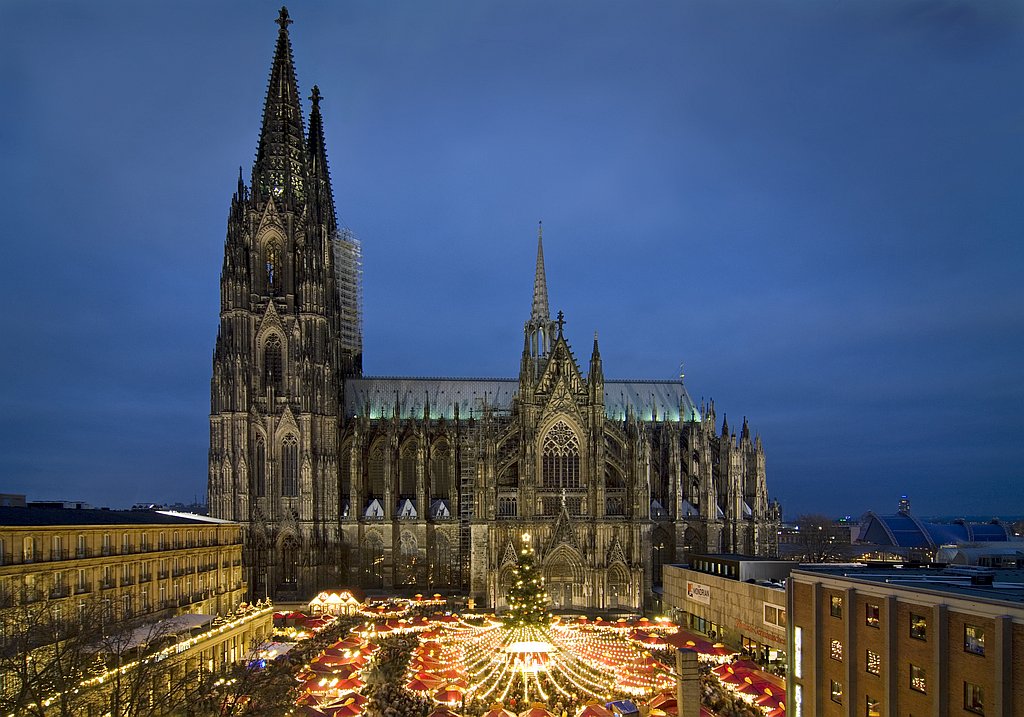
883, 641
133, 563
109, 587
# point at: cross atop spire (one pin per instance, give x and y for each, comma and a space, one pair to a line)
540, 310
561, 322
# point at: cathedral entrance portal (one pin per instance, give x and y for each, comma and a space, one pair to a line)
563, 580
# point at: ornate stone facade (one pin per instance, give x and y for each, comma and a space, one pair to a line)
343, 479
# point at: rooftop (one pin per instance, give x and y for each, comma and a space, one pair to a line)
1007, 584
18, 517
380, 396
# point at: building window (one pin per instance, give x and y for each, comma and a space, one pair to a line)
837, 692
974, 639
874, 663
272, 363
872, 615
836, 653
918, 682
375, 472
775, 615
259, 469
441, 471
974, 698
289, 466
835, 606
407, 471
874, 708
272, 266
561, 458
918, 627
507, 507
798, 645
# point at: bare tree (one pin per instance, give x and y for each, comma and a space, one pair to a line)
43, 656
58, 665
819, 540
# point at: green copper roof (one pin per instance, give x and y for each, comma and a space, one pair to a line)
648, 400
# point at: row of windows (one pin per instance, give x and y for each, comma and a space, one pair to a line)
32, 551
289, 467
974, 636
974, 695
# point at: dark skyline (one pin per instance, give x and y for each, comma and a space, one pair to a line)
817, 207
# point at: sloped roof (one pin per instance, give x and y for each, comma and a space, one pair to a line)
378, 396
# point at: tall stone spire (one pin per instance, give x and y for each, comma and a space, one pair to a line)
540, 285
280, 167
540, 329
320, 190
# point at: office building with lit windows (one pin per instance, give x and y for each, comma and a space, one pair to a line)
886, 641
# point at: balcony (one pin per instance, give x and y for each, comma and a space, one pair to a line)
162, 574
82, 588
145, 577
129, 580
108, 583
59, 554
59, 591
82, 553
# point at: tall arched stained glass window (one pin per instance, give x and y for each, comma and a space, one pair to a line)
289, 466
259, 469
561, 458
273, 369
272, 266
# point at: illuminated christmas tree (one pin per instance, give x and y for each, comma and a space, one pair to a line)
527, 599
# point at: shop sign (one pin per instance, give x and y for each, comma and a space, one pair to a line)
698, 592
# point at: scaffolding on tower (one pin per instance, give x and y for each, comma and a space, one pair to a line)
348, 272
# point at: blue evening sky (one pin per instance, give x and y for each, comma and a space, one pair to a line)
818, 207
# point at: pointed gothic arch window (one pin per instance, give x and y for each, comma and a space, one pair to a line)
663, 551
259, 469
273, 365
440, 560
345, 479
440, 471
561, 458
272, 267
375, 472
408, 558
372, 561
289, 560
289, 466
407, 472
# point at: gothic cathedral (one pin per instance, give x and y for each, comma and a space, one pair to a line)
342, 479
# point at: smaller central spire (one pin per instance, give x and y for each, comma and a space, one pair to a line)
540, 310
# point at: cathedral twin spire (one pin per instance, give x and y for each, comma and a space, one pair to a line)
289, 168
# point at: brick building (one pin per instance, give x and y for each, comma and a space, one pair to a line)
888, 641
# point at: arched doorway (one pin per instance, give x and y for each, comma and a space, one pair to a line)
563, 579
618, 587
